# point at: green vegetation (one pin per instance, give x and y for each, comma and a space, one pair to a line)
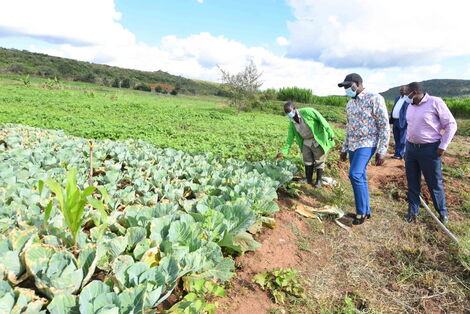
283, 284
242, 88
296, 94
72, 201
306, 96
171, 215
42, 65
195, 301
187, 123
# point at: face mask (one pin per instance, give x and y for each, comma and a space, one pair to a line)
408, 99
350, 92
291, 114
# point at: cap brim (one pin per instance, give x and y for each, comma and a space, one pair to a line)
342, 84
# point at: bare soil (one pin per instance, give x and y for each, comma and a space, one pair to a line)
384, 265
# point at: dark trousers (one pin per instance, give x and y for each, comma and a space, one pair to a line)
424, 159
399, 135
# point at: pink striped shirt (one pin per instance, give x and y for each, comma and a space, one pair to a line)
428, 119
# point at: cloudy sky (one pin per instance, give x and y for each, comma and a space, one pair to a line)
306, 43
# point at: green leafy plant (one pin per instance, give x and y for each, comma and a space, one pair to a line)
72, 201
26, 80
281, 283
53, 83
198, 291
292, 189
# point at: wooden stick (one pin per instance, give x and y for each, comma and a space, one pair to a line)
90, 175
439, 223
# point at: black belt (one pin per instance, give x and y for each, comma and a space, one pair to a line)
422, 145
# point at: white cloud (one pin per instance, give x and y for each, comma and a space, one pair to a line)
200, 1
90, 31
379, 33
82, 22
282, 41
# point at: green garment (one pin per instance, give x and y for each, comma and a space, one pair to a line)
321, 130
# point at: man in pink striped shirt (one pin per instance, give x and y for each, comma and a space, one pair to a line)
431, 127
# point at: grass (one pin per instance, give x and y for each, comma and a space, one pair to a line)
186, 123
384, 266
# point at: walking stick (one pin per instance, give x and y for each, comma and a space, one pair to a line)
439, 223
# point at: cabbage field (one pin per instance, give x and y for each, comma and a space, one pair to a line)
120, 241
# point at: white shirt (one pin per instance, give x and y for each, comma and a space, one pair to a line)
397, 108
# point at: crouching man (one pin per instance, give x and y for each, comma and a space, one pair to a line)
314, 136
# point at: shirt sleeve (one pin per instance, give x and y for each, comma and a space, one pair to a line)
383, 127
448, 123
345, 147
289, 140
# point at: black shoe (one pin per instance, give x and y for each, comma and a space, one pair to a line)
397, 157
411, 218
368, 216
444, 219
359, 219
309, 174
319, 178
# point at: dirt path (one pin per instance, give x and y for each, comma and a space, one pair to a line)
365, 266
279, 250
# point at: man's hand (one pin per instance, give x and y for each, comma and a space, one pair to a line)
279, 156
440, 152
343, 156
379, 159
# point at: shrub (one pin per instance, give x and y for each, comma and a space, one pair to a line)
16, 68
296, 94
174, 92
87, 78
159, 89
336, 101
143, 87
105, 81
46, 71
116, 83
126, 83
269, 94
242, 87
460, 107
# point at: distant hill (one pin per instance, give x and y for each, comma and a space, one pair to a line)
441, 88
25, 62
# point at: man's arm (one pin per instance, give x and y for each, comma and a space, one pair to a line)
381, 119
448, 123
289, 140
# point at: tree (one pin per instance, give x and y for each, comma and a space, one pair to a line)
116, 83
87, 78
242, 88
105, 81
126, 83
143, 87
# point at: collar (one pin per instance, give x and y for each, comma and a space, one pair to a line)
300, 117
361, 95
425, 98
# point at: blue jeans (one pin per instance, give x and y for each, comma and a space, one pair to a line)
358, 160
399, 135
424, 159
